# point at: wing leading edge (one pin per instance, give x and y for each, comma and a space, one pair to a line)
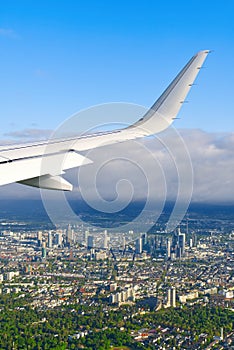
40, 164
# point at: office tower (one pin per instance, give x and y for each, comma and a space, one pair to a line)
90, 243
105, 240
39, 238
85, 237
194, 240
181, 241
69, 235
174, 239
50, 240
178, 252
161, 242
59, 239
168, 248
124, 243
144, 239
43, 250
138, 245
190, 243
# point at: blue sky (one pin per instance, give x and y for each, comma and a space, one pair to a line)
58, 57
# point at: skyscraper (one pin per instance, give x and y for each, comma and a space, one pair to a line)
43, 250
194, 240
190, 243
181, 241
124, 243
58, 238
138, 245
105, 240
90, 244
144, 239
50, 240
39, 238
69, 234
168, 253
85, 237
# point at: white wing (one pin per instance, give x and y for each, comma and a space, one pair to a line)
41, 164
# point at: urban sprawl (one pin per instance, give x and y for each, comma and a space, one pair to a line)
122, 290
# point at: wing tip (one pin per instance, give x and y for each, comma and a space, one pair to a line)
203, 52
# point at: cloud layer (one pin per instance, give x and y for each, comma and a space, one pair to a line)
127, 169
29, 134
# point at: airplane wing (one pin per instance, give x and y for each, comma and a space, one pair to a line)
41, 164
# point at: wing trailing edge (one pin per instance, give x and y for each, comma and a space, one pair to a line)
48, 182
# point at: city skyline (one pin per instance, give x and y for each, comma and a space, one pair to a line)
184, 298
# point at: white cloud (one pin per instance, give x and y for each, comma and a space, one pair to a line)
211, 158
29, 134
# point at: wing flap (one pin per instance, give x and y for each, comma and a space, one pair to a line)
49, 183
33, 167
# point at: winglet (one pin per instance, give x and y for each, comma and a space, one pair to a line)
166, 108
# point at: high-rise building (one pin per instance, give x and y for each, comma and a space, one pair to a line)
174, 239
181, 241
39, 238
194, 240
105, 240
144, 239
50, 240
39, 235
168, 248
59, 238
90, 243
85, 237
138, 245
124, 243
190, 243
69, 235
178, 252
43, 250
